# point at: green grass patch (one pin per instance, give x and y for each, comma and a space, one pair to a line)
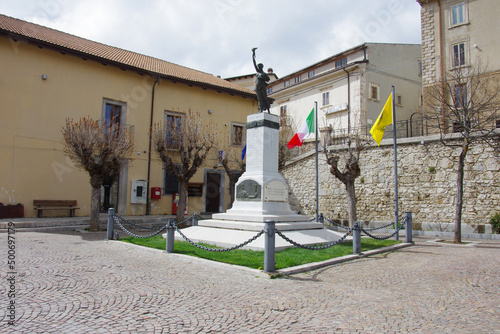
289, 257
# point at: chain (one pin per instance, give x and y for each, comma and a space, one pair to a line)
379, 228
387, 237
218, 249
136, 235
134, 224
296, 244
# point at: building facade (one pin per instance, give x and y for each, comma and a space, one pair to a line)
352, 85
457, 34
49, 76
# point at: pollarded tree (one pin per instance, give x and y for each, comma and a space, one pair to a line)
349, 156
464, 107
101, 150
183, 143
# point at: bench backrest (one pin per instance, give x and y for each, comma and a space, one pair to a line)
54, 202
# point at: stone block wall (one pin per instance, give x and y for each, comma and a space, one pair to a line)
427, 173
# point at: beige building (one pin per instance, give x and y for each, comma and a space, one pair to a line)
356, 81
49, 76
454, 33
457, 34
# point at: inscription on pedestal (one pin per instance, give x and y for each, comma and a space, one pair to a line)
248, 190
275, 192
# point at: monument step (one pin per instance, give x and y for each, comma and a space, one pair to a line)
258, 226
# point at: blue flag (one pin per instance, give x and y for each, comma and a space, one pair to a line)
243, 152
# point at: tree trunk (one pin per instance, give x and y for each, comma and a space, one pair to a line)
460, 194
351, 201
94, 209
181, 206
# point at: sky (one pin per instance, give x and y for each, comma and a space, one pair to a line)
217, 36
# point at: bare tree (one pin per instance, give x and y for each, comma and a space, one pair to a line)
349, 156
464, 107
101, 150
183, 143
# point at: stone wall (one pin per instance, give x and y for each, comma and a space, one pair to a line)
426, 178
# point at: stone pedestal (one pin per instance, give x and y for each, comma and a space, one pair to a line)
261, 194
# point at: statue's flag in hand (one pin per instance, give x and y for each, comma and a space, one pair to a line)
384, 119
305, 129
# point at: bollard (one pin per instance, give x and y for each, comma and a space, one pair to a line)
194, 222
269, 247
409, 227
356, 239
111, 223
321, 219
169, 247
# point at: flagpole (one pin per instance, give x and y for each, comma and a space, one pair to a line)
317, 175
395, 162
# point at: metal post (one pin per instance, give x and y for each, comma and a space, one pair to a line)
409, 227
321, 219
269, 247
396, 199
169, 247
356, 239
194, 222
111, 223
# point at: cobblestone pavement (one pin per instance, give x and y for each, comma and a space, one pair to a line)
78, 283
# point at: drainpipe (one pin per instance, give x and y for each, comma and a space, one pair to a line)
441, 62
148, 197
348, 105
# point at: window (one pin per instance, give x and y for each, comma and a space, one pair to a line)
269, 90
298, 79
237, 134
112, 114
310, 74
326, 98
170, 183
460, 96
374, 91
283, 116
457, 14
287, 83
458, 54
172, 126
341, 62
399, 100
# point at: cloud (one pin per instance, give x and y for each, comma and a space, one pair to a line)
216, 36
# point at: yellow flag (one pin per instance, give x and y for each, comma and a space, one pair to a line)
384, 119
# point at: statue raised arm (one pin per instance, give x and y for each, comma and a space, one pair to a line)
261, 84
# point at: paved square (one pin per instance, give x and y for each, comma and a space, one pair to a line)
78, 283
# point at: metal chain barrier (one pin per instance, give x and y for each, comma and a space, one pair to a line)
387, 237
296, 244
117, 221
218, 249
380, 227
134, 224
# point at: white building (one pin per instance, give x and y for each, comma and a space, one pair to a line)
358, 81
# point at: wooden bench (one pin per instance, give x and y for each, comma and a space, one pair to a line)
50, 204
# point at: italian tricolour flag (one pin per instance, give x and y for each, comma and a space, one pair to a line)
305, 129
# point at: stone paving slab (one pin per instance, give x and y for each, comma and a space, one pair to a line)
79, 283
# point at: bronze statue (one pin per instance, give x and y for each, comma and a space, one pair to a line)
261, 85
